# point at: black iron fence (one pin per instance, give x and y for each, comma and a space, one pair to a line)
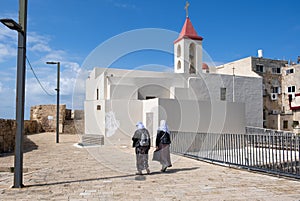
268, 151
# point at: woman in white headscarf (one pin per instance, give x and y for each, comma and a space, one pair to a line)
163, 142
141, 141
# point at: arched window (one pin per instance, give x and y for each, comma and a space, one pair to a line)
192, 58
178, 65
178, 51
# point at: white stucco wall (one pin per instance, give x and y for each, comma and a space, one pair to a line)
121, 117
94, 119
123, 92
92, 85
203, 116
247, 90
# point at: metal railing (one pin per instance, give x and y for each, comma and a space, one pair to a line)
272, 152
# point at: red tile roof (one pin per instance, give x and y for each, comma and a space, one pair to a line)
188, 31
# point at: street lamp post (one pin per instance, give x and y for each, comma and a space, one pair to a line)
57, 98
21, 27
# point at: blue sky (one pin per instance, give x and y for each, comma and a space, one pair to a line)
68, 30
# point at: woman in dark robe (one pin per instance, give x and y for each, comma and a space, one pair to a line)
140, 150
163, 142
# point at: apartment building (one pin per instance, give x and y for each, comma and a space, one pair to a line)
281, 90
291, 97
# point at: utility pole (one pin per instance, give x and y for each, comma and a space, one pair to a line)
21, 28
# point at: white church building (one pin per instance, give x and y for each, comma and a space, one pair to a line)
191, 98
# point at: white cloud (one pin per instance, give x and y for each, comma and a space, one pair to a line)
8, 75
8, 43
38, 43
40, 48
7, 34
72, 66
48, 79
34, 38
67, 85
55, 55
7, 51
9, 39
34, 89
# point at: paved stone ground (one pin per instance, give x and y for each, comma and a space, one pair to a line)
66, 172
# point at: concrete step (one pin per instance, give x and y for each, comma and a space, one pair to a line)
92, 139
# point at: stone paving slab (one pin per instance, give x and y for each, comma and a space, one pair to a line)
67, 172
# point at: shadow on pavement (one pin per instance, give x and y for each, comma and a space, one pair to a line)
82, 180
28, 146
175, 170
139, 177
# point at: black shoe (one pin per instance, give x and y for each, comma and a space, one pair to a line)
164, 169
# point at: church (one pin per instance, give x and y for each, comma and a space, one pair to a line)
192, 98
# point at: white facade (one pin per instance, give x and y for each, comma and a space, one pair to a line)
190, 101
116, 99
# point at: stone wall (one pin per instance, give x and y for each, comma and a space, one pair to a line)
7, 135
8, 131
46, 116
70, 121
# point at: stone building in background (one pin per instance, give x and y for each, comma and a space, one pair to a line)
280, 80
291, 98
70, 121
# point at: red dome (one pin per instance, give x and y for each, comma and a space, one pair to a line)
205, 66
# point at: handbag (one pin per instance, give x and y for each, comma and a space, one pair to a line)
156, 155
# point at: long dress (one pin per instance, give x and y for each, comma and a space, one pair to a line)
141, 152
165, 159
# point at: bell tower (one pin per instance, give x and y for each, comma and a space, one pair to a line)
188, 49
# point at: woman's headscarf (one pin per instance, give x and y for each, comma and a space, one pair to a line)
140, 125
163, 126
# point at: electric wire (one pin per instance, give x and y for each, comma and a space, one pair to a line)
38, 79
